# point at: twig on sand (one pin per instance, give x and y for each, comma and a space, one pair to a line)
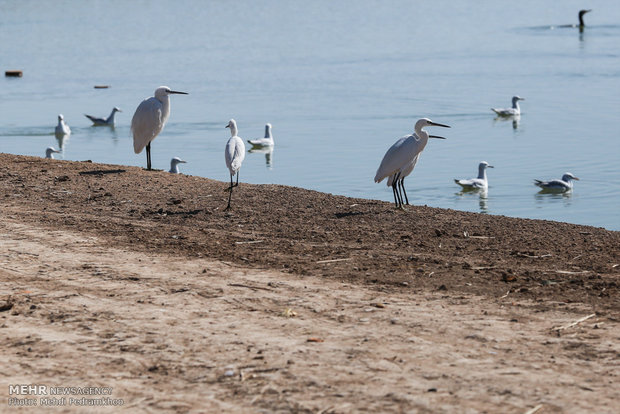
249, 242
535, 409
248, 286
507, 293
578, 321
568, 272
334, 260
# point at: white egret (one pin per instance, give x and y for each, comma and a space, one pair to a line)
174, 165
514, 111
62, 128
109, 121
149, 120
562, 185
50, 151
480, 183
234, 155
400, 160
263, 142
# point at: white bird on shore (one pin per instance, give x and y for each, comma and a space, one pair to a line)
562, 185
234, 155
149, 120
50, 151
109, 121
514, 111
263, 142
62, 128
174, 165
480, 183
401, 158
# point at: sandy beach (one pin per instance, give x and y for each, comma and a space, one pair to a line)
294, 300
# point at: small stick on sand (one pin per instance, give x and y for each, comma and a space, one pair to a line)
248, 286
535, 409
249, 242
334, 260
578, 321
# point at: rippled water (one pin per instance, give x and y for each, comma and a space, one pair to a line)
340, 82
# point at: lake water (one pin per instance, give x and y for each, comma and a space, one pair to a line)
340, 81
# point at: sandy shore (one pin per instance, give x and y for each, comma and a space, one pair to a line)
295, 300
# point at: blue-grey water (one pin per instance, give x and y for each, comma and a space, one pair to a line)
340, 81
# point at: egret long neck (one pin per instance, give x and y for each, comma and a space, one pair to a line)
233, 130
165, 109
422, 136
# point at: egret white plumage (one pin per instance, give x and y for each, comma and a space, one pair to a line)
174, 165
109, 121
234, 155
562, 185
401, 158
514, 111
50, 151
149, 120
267, 141
480, 183
62, 128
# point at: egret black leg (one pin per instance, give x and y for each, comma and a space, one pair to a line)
398, 200
402, 185
230, 195
395, 196
148, 156
237, 178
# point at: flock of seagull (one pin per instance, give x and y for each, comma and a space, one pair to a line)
398, 162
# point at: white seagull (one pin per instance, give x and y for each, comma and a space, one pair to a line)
149, 120
174, 165
234, 155
62, 128
50, 151
514, 111
109, 121
263, 142
476, 183
400, 160
565, 184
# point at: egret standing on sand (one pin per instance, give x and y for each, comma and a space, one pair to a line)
62, 128
514, 111
400, 160
174, 165
109, 121
480, 183
234, 155
563, 185
149, 119
263, 142
50, 151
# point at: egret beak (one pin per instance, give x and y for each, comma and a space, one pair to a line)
436, 124
227, 126
436, 136
179, 93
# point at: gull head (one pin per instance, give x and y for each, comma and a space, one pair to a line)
568, 177
484, 164
60, 117
517, 98
117, 109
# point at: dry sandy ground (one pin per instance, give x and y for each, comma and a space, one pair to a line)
174, 330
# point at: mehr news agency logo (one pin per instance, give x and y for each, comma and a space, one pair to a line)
32, 395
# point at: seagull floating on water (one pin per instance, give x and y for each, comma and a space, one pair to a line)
62, 128
562, 185
174, 165
401, 158
514, 111
263, 142
149, 120
109, 121
480, 183
234, 155
50, 151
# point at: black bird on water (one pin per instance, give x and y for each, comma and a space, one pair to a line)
581, 24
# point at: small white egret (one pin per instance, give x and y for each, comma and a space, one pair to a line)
400, 160
263, 142
50, 151
565, 184
514, 111
174, 165
62, 128
149, 120
109, 121
480, 183
234, 155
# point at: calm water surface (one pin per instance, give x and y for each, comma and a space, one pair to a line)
340, 82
